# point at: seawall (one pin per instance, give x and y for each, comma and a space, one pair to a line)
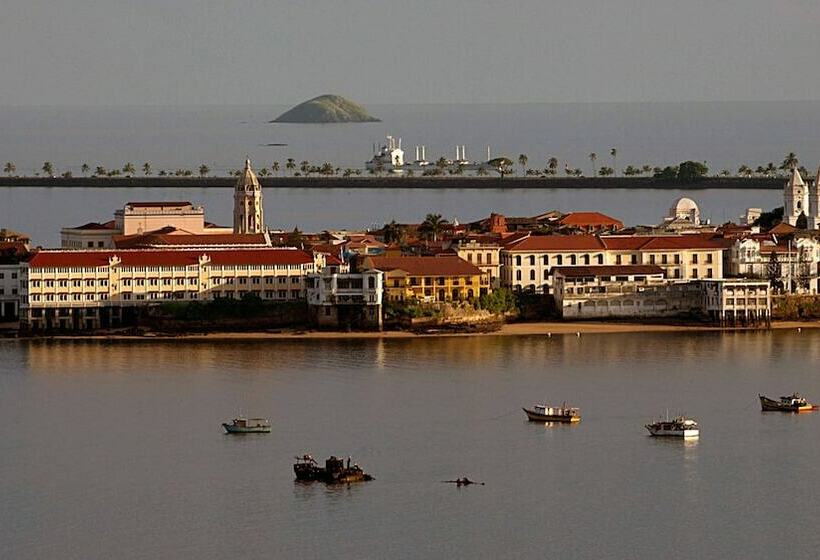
370, 182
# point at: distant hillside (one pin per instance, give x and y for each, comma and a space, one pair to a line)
326, 109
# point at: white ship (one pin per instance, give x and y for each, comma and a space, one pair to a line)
389, 158
680, 426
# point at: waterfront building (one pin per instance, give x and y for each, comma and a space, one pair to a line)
643, 291
12, 255
791, 263
626, 291
345, 300
527, 262
102, 289
484, 251
438, 279
736, 301
248, 214
138, 218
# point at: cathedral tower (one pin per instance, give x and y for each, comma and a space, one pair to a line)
247, 203
794, 198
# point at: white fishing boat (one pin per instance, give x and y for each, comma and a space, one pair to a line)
680, 426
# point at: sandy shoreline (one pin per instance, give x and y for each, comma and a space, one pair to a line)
513, 329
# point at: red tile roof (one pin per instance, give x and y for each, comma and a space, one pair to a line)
607, 270
425, 266
590, 219
267, 256
557, 243
664, 242
171, 238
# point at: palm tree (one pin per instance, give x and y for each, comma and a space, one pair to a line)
290, 165
146, 168
646, 169
48, 168
606, 171
592, 157
204, 170
744, 171
304, 166
264, 172
432, 226
441, 163
522, 161
85, 169
614, 153
393, 232
129, 169
100, 171
9, 168
789, 162
275, 167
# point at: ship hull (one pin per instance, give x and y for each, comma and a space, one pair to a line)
673, 433
533, 416
231, 429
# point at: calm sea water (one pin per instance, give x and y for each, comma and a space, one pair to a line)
114, 450
723, 134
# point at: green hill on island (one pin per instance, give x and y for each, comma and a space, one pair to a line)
326, 109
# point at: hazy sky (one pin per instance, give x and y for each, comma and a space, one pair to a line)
182, 52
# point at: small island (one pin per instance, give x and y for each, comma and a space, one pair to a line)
326, 109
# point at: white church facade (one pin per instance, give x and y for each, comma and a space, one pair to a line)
800, 198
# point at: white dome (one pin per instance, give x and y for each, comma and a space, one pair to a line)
683, 204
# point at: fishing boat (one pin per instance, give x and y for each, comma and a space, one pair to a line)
546, 413
680, 426
792, 403
243, 425
335, 471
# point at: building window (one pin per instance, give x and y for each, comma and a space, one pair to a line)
694, 273
695, 258
708, 273
489, 258
558, 260
518, 275
518, 260
532, 275
709, 258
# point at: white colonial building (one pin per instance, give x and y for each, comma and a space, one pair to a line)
798, 198
99, 289
248, 214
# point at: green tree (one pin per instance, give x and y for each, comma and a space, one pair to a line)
744, 171
204, 170
295, 237
614, 153
48, 168
552, 165
393, 232
146, 168
646, 169
789, 162
606, 171
275, 167
100, 171
522, 161
9, 168
692, 171
304, 166
432, 226
290, 165
592, 157
85, 169
128, 169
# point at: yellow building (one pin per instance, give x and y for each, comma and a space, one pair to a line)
99, 289
429, 279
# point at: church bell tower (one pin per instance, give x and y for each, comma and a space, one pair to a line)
795, 198
247, 203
